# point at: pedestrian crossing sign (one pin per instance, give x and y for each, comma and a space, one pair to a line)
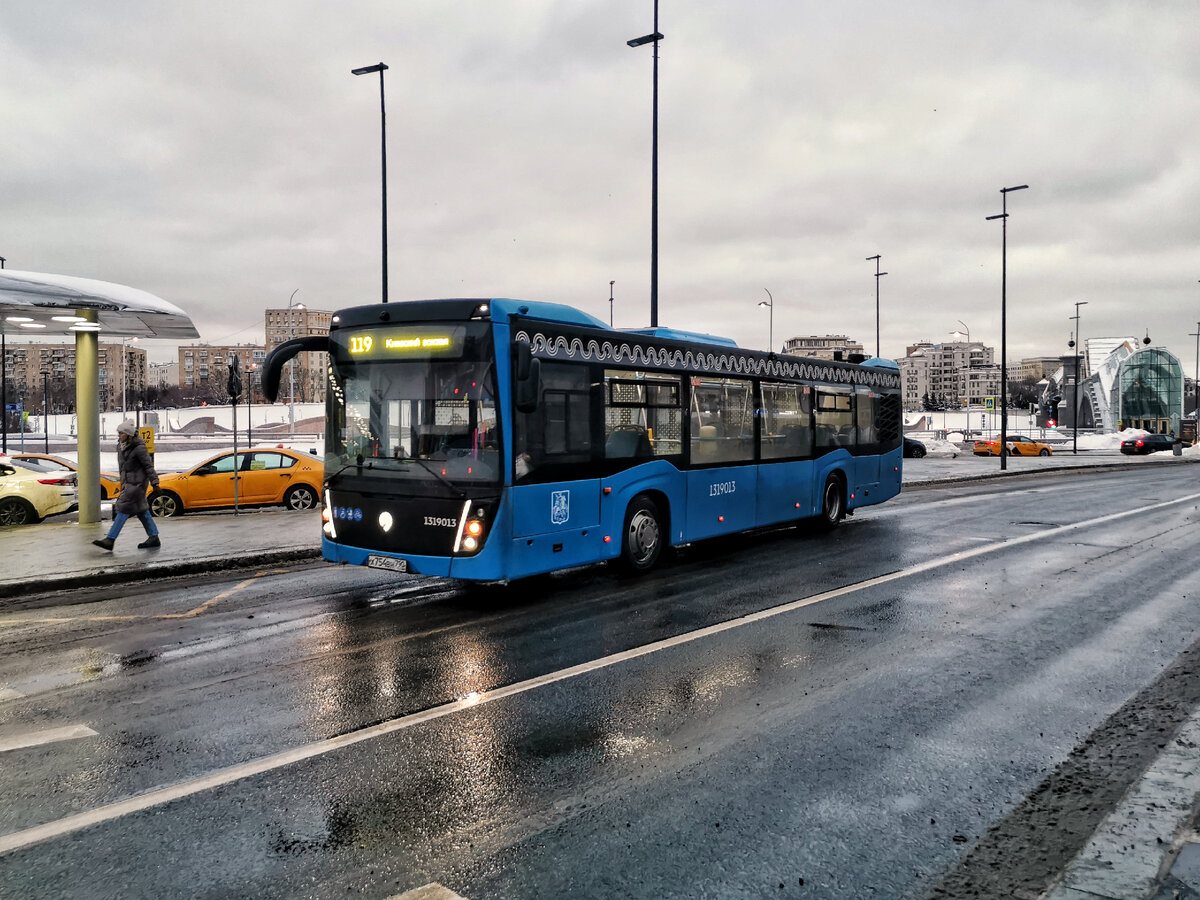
989, 403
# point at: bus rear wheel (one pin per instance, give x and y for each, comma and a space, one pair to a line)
641, 541
833, 503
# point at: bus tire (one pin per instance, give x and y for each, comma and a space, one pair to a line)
833, 503
642, 537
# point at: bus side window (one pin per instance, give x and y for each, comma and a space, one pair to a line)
834, 418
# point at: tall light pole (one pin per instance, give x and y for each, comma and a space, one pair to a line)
610, 303
367, 70
769, 303
1075, 393
877, 276
292, 367
1196, 383
1004, 322
965, 328
654, 37
45, 411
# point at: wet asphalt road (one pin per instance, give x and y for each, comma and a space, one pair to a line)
940, 659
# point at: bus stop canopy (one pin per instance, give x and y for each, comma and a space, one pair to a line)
35, 304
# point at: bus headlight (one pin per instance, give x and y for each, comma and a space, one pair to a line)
471, 530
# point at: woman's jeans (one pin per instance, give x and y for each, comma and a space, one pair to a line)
119, 520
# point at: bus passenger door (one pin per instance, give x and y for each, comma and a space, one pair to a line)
866, 466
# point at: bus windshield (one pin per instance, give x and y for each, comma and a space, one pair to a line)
427, 416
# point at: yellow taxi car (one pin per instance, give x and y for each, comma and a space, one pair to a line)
29, 493
265, 477
1018, 445
110, 484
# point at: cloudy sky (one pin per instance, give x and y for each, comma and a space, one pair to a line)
222, 156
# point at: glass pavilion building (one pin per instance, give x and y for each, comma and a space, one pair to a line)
1148, 392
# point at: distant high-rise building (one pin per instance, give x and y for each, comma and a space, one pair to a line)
960, 373
283, 324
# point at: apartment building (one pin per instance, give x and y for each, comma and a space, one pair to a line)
121, 379
821, 347
307, 379
960, 373
204, 369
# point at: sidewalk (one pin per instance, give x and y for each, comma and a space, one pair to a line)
58, 553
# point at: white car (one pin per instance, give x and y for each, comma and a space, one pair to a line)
29, 493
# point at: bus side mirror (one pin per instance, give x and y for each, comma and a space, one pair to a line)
528, 385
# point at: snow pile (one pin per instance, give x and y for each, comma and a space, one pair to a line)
941, 449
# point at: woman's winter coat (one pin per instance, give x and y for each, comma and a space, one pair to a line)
137, 472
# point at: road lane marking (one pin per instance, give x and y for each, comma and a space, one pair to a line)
431, 891
38, 833
48, 736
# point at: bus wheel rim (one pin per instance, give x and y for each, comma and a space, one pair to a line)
643, 536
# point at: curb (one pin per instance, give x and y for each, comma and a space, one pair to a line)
151, 571
1056, 470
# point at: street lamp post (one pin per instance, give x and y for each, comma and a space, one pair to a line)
654, 38
1004, 322
1075, 393
292, 367
965, 328
1196, 382
610, 303
250, 370
366, 70
877, 276
45, 410
769, 303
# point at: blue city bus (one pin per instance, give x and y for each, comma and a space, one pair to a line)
490, 440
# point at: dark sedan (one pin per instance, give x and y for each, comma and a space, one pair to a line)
913, 449
1148, 443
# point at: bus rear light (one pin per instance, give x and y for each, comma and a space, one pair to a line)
474, 528
720, 518
608, 539
608, 490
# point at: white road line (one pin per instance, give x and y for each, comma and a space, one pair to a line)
49, 736
38, 833
431, 891
10, 694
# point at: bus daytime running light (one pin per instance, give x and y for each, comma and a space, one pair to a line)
327, 515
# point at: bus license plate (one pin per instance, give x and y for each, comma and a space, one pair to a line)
387, 562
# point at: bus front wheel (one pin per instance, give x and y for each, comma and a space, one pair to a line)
833, 503
641, 542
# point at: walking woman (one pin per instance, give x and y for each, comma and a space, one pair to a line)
137, 471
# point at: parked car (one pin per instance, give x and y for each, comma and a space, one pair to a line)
29, 493
110, 484
265, 477
1018, 445
913, 449
1148, 443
